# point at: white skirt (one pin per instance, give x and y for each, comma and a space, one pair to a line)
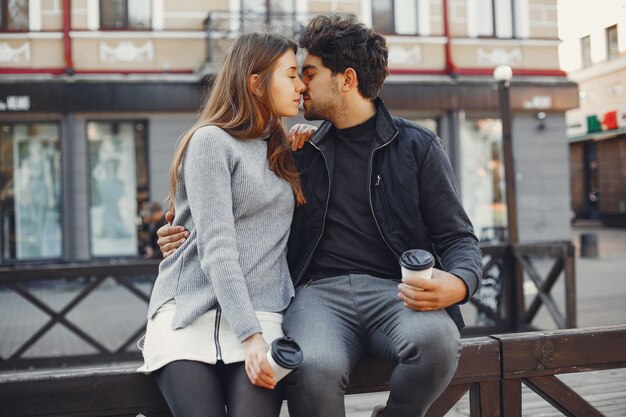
207, 339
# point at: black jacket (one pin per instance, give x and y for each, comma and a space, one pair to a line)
413, 197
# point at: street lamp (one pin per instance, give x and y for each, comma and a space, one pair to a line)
503, 75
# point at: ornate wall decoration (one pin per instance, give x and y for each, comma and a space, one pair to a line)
126, 52
14, 55
400, 55
498, 56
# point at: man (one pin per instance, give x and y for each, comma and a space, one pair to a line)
376, 186
155, 220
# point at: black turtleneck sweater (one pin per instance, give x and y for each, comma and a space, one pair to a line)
352, 243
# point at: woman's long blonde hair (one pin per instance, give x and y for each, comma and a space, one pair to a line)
232, 106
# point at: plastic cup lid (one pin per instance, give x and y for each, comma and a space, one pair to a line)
417, 260
286, 353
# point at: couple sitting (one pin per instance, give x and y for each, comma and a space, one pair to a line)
306, 240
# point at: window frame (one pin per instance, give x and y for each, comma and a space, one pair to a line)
585, 51
494, 22
393, 20
125, 27
4, 21
608, 31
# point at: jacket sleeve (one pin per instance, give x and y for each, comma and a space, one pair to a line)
447, 222
207, 168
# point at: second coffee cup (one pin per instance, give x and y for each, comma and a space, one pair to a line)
284, 355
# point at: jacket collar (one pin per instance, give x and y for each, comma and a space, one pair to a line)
386, 128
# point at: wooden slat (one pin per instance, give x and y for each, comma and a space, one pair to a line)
479, 361
562, 397
511, 398
57, 317
546, 287
545, 353
552, 249
90, 392
570, 288
120, 391
447, 400
546, 298
73, 271
485, 399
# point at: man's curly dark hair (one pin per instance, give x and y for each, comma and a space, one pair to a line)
342, 42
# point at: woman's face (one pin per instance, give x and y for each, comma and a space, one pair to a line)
286, 86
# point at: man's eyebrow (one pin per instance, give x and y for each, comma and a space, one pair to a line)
308, 67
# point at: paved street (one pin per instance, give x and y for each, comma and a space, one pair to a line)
112, 313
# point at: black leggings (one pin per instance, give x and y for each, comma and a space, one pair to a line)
197, 389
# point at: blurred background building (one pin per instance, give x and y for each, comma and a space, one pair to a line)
594, 51
94, 95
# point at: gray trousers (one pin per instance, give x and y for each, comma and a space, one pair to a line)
337, 320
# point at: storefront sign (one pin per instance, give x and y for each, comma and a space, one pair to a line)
538, 102
15, 103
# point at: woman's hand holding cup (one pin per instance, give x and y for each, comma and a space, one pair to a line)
257, 365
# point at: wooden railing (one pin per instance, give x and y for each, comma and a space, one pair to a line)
501, 299
85, 280
492, 369
499, 303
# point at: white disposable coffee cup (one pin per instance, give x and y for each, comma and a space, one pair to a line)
417, 263
284, 355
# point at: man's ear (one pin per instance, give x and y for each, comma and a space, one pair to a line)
254, 85
350, 80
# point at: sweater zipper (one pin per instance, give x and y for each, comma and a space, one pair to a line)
369, 190
306, 265
216, 334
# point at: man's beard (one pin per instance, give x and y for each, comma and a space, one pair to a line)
323, 111
314, 115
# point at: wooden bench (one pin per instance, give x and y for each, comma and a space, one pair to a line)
492, 369
120, 391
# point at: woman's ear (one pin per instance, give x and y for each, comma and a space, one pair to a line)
254, 85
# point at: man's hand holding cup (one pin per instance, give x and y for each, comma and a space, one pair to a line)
425, 288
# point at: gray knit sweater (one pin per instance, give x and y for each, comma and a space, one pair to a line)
238, 213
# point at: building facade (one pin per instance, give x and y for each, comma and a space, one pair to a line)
94, 95
597, 128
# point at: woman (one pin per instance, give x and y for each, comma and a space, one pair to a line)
218, 301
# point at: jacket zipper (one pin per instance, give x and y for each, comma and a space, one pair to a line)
216, 334
369, 190
306, 265
385, 201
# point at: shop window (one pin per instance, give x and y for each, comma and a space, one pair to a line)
125, 14
14, 15
30, 190
395, 16
118, 185
482, 175
585, 51
612, 48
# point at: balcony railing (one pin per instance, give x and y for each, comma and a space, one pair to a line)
223, 27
